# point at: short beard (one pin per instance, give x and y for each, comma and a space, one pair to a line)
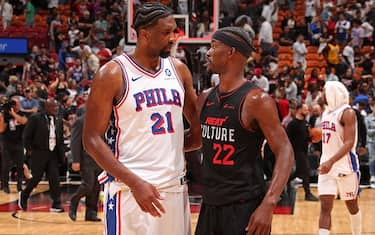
164, 54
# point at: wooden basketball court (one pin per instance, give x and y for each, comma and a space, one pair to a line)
304, 221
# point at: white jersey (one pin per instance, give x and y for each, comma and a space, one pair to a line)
333, 140
146, 132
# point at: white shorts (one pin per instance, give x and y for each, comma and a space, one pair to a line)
346, 185
123, 216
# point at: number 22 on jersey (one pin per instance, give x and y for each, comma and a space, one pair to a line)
223, 149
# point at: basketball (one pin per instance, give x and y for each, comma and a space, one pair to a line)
316, 134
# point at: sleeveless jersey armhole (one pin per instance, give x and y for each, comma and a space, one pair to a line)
125, 78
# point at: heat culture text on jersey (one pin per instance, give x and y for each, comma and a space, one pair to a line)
156, 97
212, 129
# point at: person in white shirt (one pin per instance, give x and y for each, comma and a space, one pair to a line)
267, 10
291, 89
53, 4
332, 75
348, 54
342, 27
367, 34
265, 32
299, 52
357, 33
311, 7
260, 80
266, 38
6, 13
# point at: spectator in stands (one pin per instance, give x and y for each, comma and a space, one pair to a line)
282, 102
348, 54
331, 24
357, 33
311, 9
291, 89
85, 23
246, 23
313, 95
91, 62
12, 123
29, 14
342, 28
267, 10
324, 39
302, 28
333, 57
53, 31
5, 73
331, 74
73, 35
19, 90
289, 22
29, 105
104, 54
265, 37
53, 4
260, 80
367, 65
315, 31
60, 85
6, 10
299, 51
114, 32
286, 37
315, 119
368, 33
11, 88
77, 72
100, 27
326, 13
80, 48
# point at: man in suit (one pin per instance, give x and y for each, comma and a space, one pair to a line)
89, 171
44, 141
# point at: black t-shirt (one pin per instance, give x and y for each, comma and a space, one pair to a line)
232, 169
14, 130
298, 134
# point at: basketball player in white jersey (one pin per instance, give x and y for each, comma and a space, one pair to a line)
137, 104
339, 165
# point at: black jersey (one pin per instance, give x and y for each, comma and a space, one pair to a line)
232, 166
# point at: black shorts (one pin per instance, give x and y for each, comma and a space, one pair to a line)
231, 219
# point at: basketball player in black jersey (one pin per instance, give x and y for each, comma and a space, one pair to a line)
236, 116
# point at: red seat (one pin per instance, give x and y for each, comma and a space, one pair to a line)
4, 34
16, 35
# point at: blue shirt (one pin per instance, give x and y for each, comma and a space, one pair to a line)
29, 104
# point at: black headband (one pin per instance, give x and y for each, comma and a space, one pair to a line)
241, 46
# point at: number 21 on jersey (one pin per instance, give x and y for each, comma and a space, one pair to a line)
159, 126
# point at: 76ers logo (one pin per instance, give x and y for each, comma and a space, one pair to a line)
168, 72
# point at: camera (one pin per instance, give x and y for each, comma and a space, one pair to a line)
5, 108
